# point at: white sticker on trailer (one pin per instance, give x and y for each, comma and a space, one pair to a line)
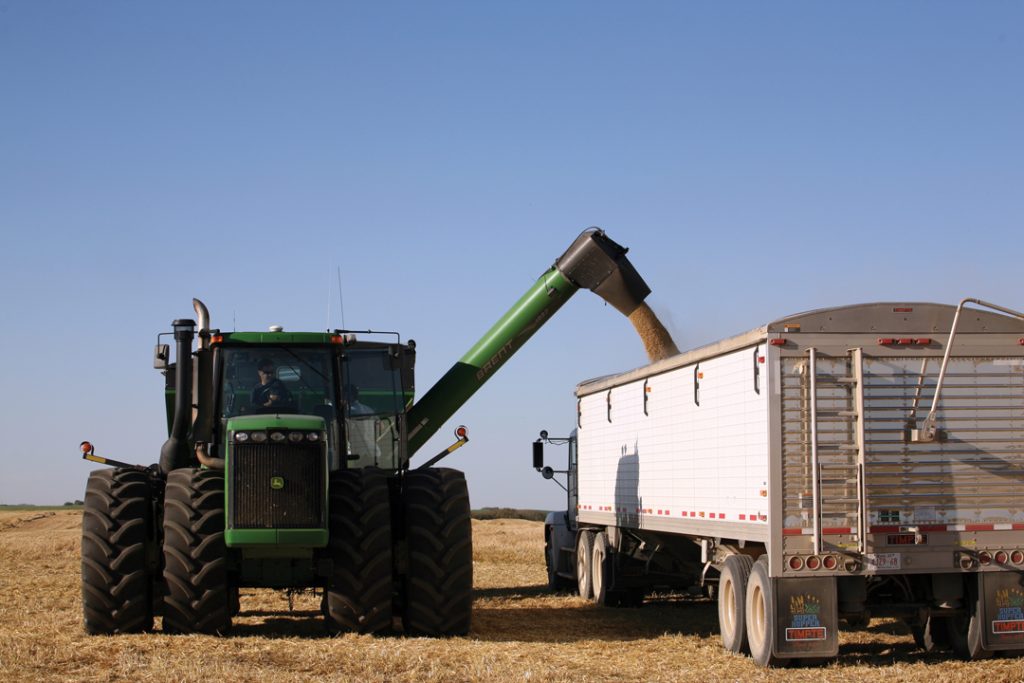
884, 560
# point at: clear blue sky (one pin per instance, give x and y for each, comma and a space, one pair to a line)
759, 159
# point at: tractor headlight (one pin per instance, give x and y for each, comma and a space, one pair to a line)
313, 436
277, 437
241, 437
295, 437
259, 437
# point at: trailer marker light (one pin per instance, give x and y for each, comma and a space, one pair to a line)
813, 562
830, 562
780, 341
966, 562
1017, 557
796, 563
985, 558
1021, 341
1001, 557
923, 341
760, 359
903, 310
886, 341
905, 341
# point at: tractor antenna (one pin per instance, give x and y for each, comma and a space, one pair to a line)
341, 299
328, 302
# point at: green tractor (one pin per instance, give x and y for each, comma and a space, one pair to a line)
287, 466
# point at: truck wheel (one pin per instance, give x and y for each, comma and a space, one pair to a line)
584, 575
965, 629
439, 535
195, 557
552, 555
116, 580
601, 574
932, 635
358, 596
732, 593
760, 615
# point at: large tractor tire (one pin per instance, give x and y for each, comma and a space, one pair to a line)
359, 592
117, 582
732, 609
198, 597
438, 532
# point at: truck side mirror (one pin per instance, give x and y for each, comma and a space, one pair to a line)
161, 356
538, 454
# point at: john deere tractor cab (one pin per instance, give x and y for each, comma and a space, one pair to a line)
287, 465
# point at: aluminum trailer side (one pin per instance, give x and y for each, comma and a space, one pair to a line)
806, 472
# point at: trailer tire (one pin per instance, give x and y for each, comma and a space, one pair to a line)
198, 597
117, 582
932, 635
965, 630
601, 571
359, 590
584, 575
439, 535
732, 593
760, 615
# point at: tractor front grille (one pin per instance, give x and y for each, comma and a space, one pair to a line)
277, 486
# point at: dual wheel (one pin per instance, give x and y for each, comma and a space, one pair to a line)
746, 609
597, 572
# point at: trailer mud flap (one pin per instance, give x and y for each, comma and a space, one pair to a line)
1002, 610
806, 617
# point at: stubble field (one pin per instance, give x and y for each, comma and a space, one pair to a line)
520, 632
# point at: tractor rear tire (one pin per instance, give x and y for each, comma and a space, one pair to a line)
116, 529
359, 591
198, 598
439, 536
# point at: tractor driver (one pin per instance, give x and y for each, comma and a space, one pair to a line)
270, 392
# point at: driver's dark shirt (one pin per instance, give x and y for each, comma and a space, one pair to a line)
261, 394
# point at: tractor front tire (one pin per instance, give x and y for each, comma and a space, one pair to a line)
116, 579
439, 537
198, 599
359, 592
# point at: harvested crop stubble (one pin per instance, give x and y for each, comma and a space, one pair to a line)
520, 632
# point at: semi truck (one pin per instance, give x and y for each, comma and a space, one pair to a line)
288, 465
832, 466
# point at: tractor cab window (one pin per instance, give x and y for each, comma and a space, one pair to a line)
281, 379
373, 401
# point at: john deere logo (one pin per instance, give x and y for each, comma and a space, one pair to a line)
277, 483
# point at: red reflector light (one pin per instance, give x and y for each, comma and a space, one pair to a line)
781, 342
905, 341
923, 341
460, 431
337, 339
796, 563
1001, 557
216, 339
886, 341
1021, 341
1017, 557
829, 562
86, 447
813, 562
985, 558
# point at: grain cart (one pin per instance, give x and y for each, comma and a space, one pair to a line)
287, 465
834, 465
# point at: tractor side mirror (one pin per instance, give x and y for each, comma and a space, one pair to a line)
538, 454
161, 356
